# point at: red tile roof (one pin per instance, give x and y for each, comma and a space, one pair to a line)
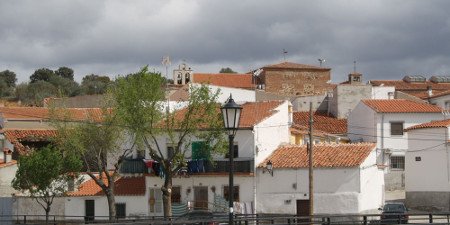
323, 122
299, 129
124, 186
400, 106
432, 124
252, 113
233, 80
438, 94
255, 112
290, 65
401, 85
40, 113
16, 136
325, 155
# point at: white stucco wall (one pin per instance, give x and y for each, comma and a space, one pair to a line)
272, 132
29, 206
361, 124
239, 94
75, 206
399, 143
440, 101
431, 173
7, 174
371, 185
382, 92
336, 190
367, 125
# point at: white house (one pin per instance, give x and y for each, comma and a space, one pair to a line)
427, 166
441, 99
8, 168
263, 127
383, 122
346, 180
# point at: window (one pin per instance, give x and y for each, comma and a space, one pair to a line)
121, 211
235, 193
236, 151
176, 194
396, 128
200, 150
398, 162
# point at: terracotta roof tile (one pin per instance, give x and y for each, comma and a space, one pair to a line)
290, 65
255, 112
401, 85
225, 79
299, 129
16, 136
400, 106
42, 113
432, 124
323, 122
252, 113
124, 186
325, 155
438, 94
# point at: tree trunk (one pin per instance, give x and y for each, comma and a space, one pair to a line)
111, 203
167, 193
47, 213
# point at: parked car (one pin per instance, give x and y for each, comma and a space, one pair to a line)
394, 213
200, 217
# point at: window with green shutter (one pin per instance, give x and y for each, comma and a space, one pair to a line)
200, 150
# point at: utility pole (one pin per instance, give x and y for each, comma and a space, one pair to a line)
310, 154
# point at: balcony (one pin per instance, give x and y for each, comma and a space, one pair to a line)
132, 166
223, 165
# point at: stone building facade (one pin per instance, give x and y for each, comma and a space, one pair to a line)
295, 79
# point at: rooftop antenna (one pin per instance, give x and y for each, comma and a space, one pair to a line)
166, 62
284, 54
354, 66
321, 61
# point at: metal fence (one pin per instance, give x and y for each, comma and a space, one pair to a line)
240, 219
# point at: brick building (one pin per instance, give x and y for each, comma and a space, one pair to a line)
295, 79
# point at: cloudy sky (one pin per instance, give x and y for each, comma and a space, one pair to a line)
388, 39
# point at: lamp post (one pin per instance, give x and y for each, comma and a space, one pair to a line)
231, 113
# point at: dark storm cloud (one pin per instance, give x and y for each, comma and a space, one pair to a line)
387, 38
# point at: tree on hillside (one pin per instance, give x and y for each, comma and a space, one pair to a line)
226, 70
95, 84
43, 74
9, 78
140, 106
45, 174
33, 94
65, 72
98, 141
5, 90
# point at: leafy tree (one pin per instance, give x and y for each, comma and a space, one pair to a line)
9, 77
139, 103
44, 175
98, 142
5, 89
42, 74
33, 94
65, 86
95, 84
65, 72
226, 70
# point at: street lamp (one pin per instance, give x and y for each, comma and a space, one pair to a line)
231, 113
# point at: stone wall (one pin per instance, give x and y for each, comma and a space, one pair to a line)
297, 82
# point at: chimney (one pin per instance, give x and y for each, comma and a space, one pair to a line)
430, 91
355, 78
7, 155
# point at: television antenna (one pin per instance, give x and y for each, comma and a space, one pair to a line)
285, 52
321, 61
